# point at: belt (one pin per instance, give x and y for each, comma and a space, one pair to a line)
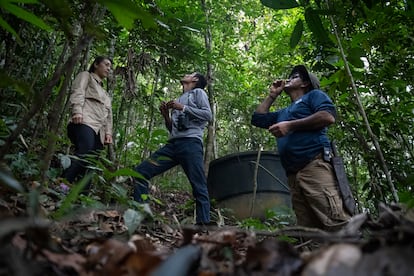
326, 156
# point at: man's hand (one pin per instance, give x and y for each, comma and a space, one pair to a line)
276, 88
280, 129
77, 118
175, 105
164, 109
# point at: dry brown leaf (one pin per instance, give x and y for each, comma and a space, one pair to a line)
140, 243
108, 214
272, 255
107, 257
142, 263
107, 227
333, 259
217, 252
74, 261
388, 260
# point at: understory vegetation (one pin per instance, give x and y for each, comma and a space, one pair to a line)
361, 50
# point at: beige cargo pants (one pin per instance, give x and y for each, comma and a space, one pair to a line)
315, 197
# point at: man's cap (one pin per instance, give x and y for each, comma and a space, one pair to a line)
303, 72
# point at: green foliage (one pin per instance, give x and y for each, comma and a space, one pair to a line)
283, 4
297, 34
354, 56
8, 82
274, 219
253, 224
407, 197
24, 165
172, 180
153, 45
315, 24
375, 34
11, 7
126, 12
132, 220
9, 181
312, 18
75, 191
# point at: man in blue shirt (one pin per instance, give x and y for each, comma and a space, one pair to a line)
301, 133
185, 119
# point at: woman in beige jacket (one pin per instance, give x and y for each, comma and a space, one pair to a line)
90, 126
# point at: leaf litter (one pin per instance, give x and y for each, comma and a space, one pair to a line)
98, 242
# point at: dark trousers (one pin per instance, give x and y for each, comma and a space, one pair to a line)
187, 152
86, 141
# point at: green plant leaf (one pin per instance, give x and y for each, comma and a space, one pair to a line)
406, 197
10, 181
20, 224
72, 196
132, 220
296, 34
315, 25
64, 161
8, 28
354, 57
18, 85
33, 202
280, 5
126, 12
125, 172
27, 16
24, 1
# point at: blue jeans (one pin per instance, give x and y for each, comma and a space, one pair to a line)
187, 152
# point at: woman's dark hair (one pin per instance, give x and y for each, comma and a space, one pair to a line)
97, 60
202, 82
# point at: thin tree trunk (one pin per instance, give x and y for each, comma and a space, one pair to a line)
55, 113
363, 114
146, 151
110, 84
37, 105
210, 153
256, 170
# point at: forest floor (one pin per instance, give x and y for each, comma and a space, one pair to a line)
96, 241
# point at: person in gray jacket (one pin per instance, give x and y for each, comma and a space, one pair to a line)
185, 119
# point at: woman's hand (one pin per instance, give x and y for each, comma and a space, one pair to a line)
108, 139
77, 118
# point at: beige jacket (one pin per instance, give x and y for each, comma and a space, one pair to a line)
90, 99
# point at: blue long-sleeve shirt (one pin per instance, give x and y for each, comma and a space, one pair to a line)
298, 148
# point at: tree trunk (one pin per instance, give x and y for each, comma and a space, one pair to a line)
37, 105
210, 153
146, 151
364, 115
55, 113
110, 85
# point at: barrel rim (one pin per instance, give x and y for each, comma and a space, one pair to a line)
242, 154
283, 194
